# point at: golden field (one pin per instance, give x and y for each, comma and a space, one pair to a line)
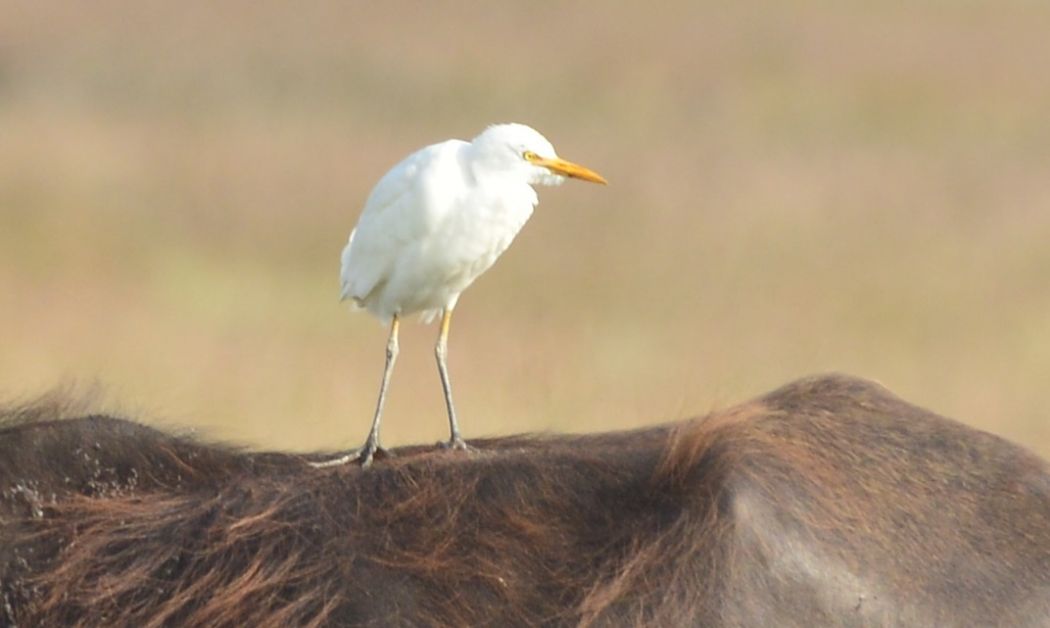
795, 188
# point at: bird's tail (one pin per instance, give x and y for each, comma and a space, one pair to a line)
344, 273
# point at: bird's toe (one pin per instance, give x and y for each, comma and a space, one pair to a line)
458, 444
363, 456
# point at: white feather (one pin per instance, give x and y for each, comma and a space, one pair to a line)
440, 218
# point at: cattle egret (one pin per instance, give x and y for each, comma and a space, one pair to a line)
434, 223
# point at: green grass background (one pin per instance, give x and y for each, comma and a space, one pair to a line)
795, 188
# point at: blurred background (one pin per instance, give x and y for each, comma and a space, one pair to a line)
795, 188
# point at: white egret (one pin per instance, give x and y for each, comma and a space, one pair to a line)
434, 223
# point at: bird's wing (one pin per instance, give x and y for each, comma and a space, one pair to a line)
400, 211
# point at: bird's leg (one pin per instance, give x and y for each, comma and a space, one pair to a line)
455, 441
371, 446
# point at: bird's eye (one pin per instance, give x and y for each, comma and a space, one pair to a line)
530, 156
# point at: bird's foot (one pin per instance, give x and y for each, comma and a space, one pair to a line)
458, 444
363, 456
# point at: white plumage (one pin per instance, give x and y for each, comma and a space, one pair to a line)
434, 223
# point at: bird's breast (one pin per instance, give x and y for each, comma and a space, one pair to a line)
473, 234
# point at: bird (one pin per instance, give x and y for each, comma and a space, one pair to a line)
434, 223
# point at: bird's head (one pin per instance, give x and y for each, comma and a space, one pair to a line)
521, 149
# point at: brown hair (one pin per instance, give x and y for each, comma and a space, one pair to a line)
828, 501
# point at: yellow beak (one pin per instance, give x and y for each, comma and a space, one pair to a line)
558, 165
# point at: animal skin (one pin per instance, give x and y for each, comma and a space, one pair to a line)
828, 502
